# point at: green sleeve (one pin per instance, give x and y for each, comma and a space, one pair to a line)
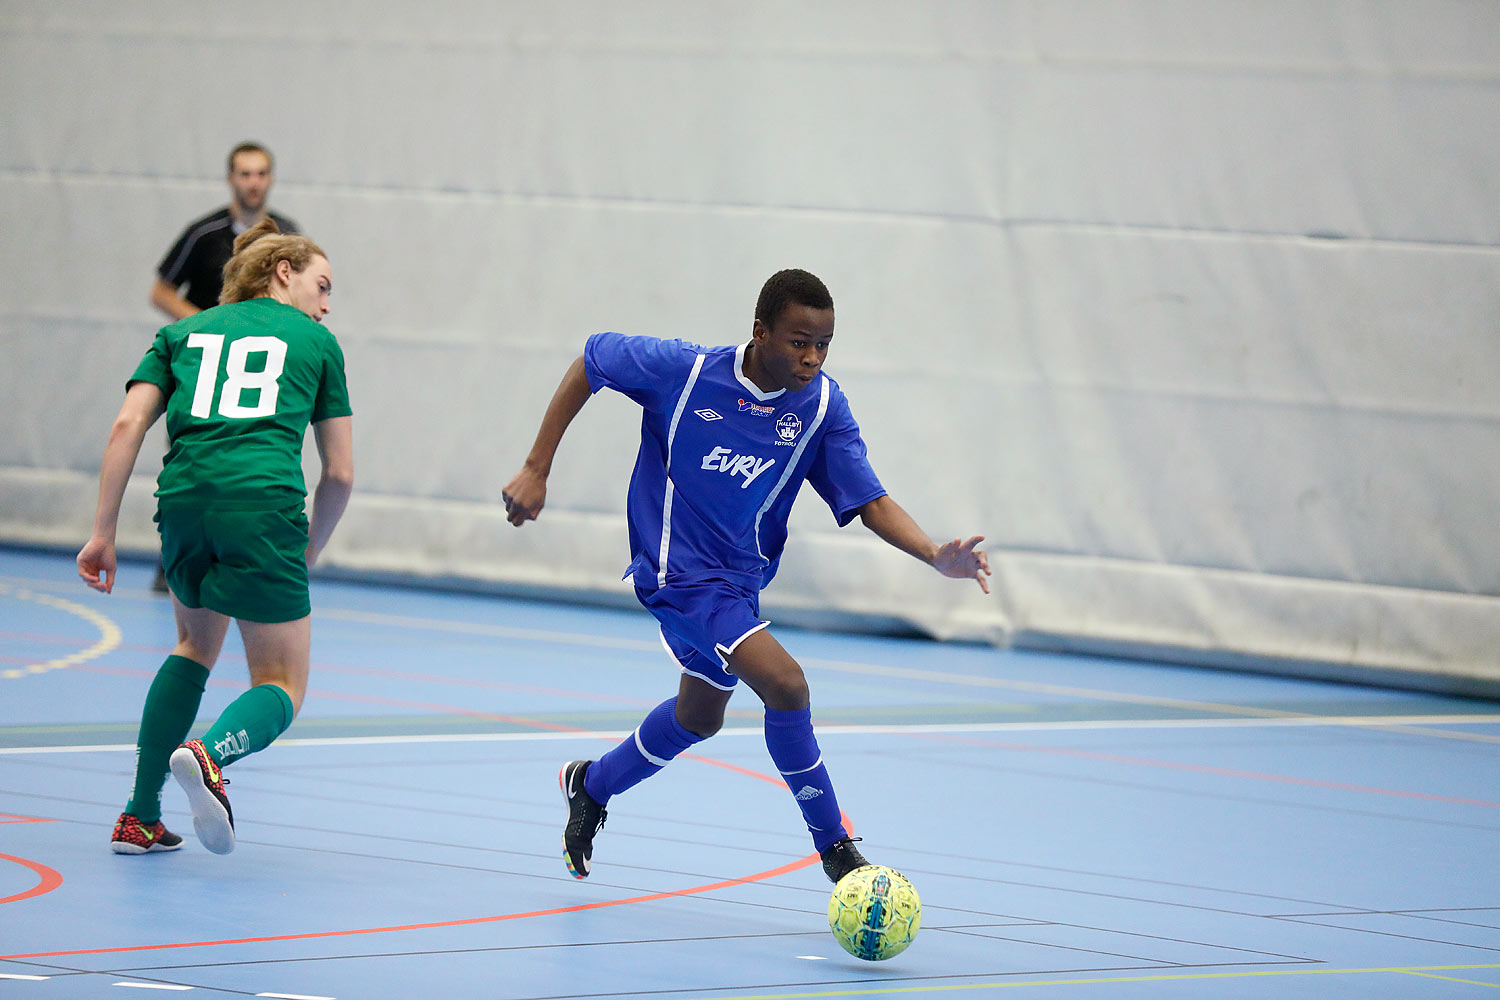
156, 366
333, 390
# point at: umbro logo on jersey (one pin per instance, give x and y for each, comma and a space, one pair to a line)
708, 414
721, 459
808, 792
755, 409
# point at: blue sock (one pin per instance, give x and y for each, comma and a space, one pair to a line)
658, 739
794, 748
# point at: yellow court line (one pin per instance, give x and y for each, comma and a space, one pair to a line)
1453, 979
1001, 985
109, 633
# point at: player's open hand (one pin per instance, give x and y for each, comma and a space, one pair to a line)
96, 564
962, 561
524, 496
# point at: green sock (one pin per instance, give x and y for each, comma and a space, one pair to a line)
250, 724
171, 707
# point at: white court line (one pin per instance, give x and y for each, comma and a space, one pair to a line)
879, 670
152, 986
833, 729
873, 670
33, 979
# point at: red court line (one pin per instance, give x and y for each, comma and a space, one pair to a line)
50, 879
537, 723
727, 883
12, 818
555, 727
371, 699
1226, 772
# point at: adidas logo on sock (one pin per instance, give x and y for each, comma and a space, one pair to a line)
807, 792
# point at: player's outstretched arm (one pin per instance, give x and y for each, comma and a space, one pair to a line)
958, 558
526, 493
144, 403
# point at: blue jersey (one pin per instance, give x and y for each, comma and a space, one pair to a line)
721, 462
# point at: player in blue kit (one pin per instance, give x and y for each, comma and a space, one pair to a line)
728, 436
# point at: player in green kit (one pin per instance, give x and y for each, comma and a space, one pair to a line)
239, 384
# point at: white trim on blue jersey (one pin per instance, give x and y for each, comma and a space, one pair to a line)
721, 461
791, 464
666, 506
744, 380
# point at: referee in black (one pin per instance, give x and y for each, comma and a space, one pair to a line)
190, 275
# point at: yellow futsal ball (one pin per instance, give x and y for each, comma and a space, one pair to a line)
874, 912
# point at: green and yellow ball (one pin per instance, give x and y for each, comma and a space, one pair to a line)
874, 913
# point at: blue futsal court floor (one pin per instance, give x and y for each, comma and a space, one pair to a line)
1076, 827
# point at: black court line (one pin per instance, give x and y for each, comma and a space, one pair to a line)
1390, 934
1149, 960
1445, 920
1099, 893
641, 868
939, 981
943, 981
539, 855
1227, 797
1153, 881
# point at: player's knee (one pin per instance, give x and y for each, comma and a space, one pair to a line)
197, 652
294, 690
786, 693
703, 720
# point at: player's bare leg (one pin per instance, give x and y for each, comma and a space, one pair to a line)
700, 706
761, 662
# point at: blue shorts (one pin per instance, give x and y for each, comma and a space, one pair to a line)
702, 623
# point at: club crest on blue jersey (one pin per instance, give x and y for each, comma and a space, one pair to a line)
787, 428
755, 409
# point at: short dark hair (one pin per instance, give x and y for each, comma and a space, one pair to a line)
787, 287
250, 147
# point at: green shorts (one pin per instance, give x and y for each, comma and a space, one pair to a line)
249, 564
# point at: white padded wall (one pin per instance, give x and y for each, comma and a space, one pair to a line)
1190, 308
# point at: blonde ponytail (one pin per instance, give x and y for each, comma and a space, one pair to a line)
257, 251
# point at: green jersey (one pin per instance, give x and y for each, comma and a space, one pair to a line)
242, 383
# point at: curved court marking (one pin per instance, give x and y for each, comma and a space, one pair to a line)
580, 908
109, 633
1412, 970
49, 879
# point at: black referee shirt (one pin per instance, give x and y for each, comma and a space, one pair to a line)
198, 257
